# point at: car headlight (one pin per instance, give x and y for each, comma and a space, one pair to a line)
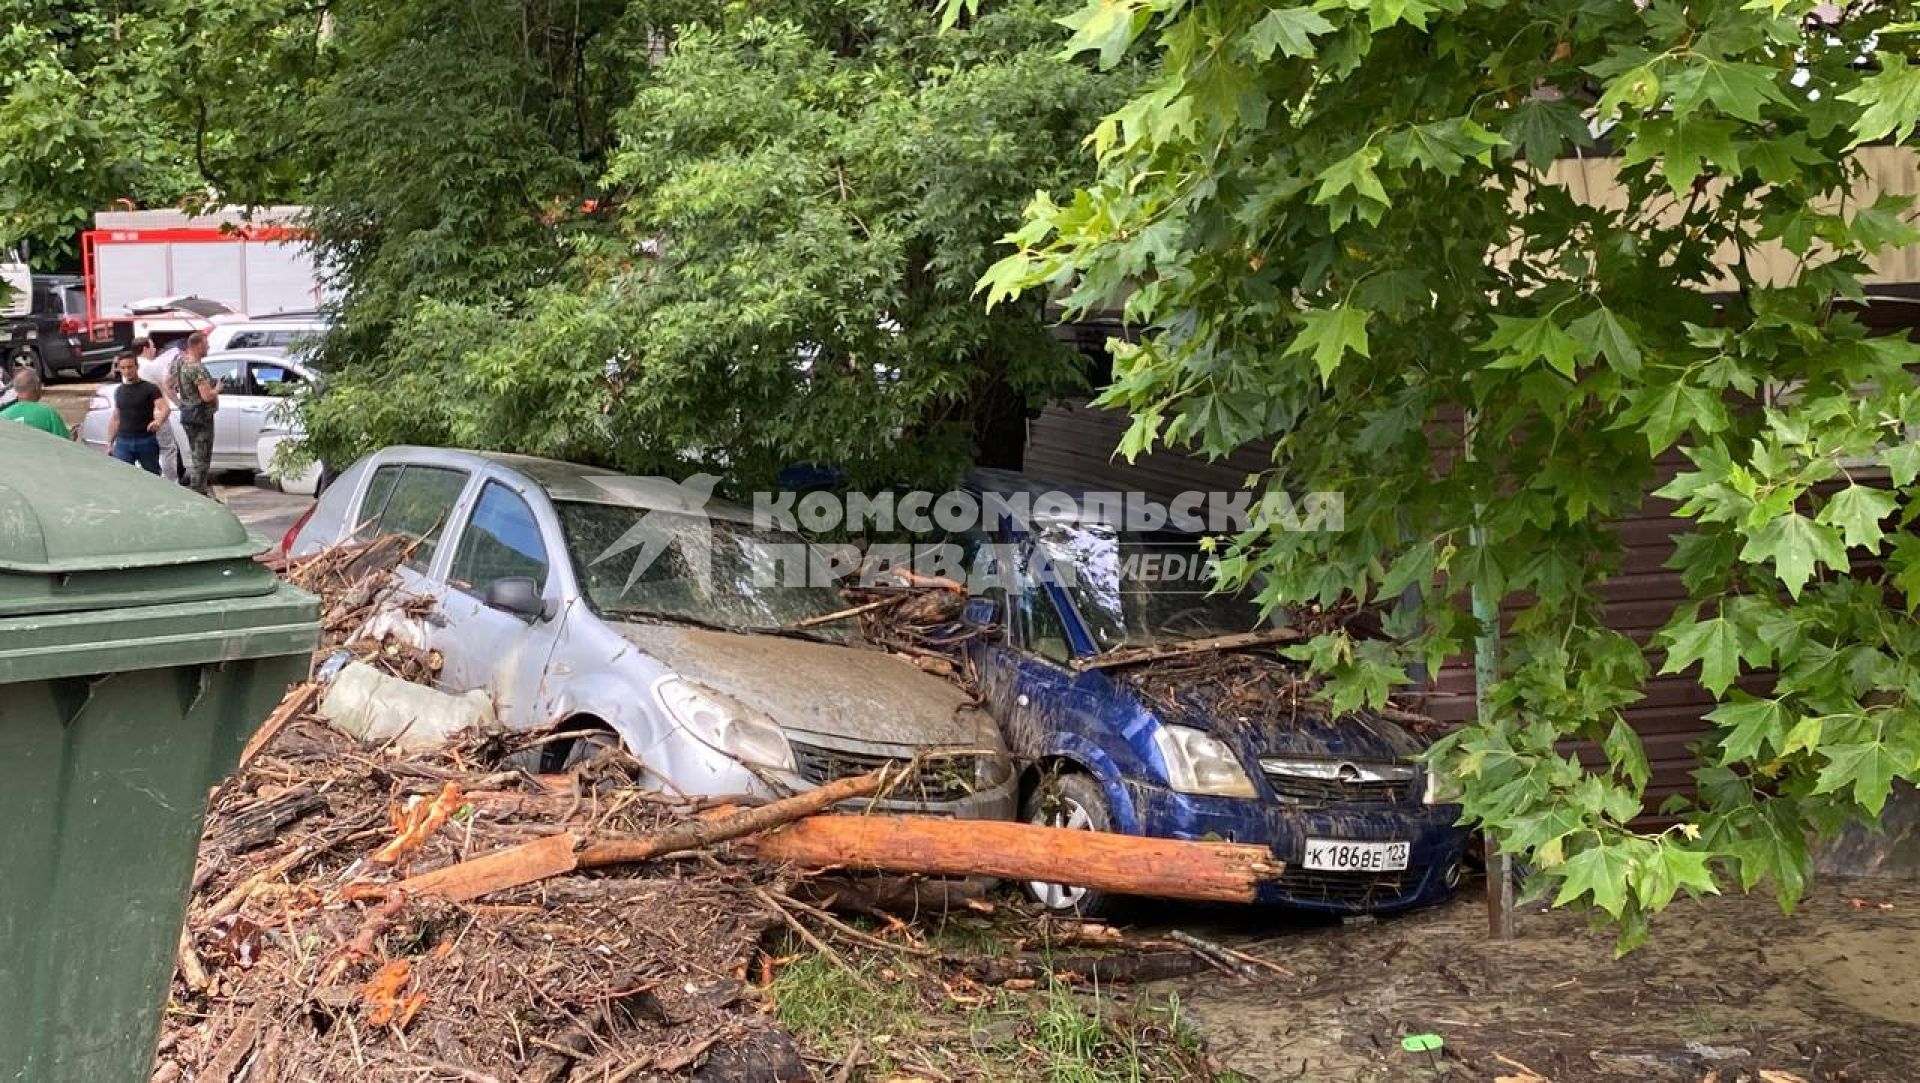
722, 726
1197, 762
1442, 788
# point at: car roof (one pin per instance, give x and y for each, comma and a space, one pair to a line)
571, 482
277, 322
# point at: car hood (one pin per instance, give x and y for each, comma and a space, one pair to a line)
1263, 708
1353, 738
822, 688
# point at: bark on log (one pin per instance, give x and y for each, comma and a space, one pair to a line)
1123, 864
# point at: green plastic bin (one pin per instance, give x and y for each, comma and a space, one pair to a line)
140, 644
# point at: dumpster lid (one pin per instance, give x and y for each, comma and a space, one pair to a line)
66, 508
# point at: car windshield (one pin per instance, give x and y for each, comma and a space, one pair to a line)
1141, 590
640, 562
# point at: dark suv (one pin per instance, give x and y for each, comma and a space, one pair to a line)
53, 338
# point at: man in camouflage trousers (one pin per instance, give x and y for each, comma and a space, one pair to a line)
198, 397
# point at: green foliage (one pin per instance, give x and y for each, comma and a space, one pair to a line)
1335, 225
159, 102
790, 213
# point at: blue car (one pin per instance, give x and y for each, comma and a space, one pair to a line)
1219, 746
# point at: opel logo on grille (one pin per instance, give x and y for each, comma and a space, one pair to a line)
1347, 773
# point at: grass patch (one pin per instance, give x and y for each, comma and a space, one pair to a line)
910, 1018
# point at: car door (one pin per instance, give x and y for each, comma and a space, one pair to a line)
480, 646
1044, 706
229, 453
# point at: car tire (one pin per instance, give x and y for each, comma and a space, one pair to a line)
584, 748
1073, 801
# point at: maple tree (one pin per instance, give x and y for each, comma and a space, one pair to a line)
1333, 225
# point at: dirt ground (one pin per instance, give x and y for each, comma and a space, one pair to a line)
1729, 990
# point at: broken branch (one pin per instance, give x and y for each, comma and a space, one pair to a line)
1133, 656
1125, 864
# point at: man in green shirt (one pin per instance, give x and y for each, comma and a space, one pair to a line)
29, 409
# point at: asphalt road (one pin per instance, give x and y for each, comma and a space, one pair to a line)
267, 512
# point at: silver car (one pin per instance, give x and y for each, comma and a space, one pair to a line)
575, 596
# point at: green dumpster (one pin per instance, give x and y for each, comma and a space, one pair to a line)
139, 646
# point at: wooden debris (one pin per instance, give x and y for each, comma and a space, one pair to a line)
298, 701
1124, 864
514, 866
1160, 652
555, 856
416, 823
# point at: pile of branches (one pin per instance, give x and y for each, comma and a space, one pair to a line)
916, 617
306, 957
356, 583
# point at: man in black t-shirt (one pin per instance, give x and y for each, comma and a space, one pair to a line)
139, 411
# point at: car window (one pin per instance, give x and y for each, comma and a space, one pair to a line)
379, 488
272, 379
1041, 629
231, 376
416, 502
501, 539
74, 300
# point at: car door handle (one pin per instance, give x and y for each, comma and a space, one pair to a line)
1021, 700
435, 618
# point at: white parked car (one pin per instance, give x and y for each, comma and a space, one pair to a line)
254, 407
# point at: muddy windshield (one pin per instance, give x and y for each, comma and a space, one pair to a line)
1137, 590
636, 562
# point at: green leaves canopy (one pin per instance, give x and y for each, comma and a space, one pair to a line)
1338, 217
788, 214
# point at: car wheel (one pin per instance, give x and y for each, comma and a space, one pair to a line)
1072, 801
582, 749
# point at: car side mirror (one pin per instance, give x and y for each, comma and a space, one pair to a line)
518, 595
983, 613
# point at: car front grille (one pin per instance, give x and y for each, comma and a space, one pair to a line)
937, 780
1352, 888
1289, 784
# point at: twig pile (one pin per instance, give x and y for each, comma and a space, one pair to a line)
304, 962
355, 582
920, 619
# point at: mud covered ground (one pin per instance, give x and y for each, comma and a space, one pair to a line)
1729, 990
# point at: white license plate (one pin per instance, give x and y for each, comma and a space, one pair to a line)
1333, 855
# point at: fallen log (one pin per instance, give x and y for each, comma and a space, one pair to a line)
556, 855
1122, 864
